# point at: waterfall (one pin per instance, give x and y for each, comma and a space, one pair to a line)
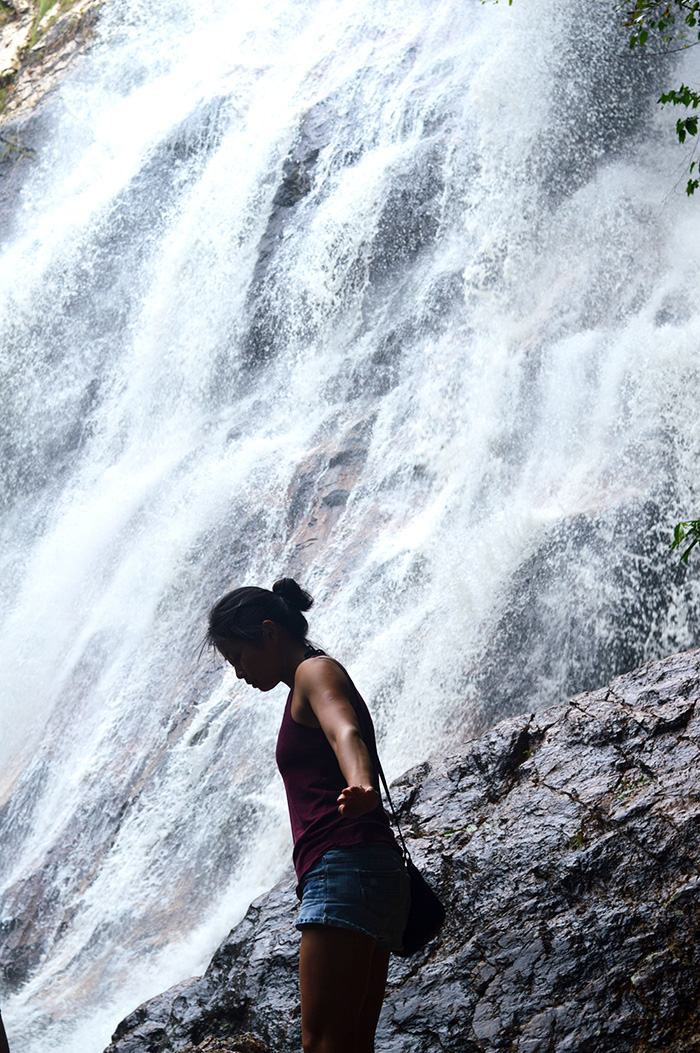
398, 299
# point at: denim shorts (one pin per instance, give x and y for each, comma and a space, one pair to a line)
364, 887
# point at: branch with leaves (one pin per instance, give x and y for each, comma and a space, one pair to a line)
685, 96
665, 17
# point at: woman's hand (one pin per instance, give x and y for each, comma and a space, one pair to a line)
355, 801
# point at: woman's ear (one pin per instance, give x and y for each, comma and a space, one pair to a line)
270, 630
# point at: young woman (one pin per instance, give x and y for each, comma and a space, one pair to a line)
351, 879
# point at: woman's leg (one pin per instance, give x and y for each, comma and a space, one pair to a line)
374, 998
342, 979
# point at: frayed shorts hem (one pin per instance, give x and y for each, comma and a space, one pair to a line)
333, 923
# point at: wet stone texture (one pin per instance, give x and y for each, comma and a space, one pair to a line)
566, 845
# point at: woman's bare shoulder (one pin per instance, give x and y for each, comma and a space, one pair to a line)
321, 672
320, 688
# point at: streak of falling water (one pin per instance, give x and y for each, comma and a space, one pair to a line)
396, 298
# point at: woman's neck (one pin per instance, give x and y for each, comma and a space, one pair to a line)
292, 657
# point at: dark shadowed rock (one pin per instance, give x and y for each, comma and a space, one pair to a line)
566, 845
320, 491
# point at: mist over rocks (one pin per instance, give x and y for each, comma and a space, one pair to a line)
566, 845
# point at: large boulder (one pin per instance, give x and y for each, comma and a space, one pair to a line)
566, 845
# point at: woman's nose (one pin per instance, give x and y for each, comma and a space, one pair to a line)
238, 672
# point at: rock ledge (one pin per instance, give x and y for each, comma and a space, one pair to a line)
566, 844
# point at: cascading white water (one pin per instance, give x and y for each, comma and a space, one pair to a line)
397, 298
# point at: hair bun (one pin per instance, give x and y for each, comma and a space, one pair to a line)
293, 594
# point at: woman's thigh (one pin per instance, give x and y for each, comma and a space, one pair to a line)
342, 976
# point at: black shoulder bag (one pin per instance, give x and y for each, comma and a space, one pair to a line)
426, 914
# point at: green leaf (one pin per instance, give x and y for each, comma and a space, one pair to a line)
687, 531
678, 534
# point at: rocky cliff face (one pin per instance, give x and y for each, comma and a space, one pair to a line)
40, 41
566, 844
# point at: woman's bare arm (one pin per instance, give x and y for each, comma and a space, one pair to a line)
322, 685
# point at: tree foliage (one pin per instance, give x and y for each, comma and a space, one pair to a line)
674, 21
672, 25
675, 25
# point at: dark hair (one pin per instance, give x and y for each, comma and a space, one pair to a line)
240, 613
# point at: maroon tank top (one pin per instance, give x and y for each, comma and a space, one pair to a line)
313, 780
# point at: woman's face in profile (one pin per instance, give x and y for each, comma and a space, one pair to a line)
253, 662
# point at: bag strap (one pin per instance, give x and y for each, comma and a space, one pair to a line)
380, 772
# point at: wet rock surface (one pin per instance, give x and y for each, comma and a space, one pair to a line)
566, 844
